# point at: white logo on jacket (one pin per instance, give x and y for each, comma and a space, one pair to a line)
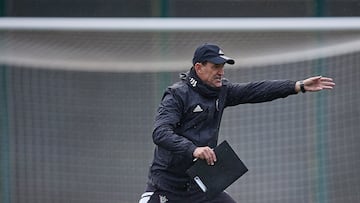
163, 199
193, 82
198, 109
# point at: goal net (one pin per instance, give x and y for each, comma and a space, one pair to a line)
78, 98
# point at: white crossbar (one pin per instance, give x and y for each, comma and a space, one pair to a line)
181, 24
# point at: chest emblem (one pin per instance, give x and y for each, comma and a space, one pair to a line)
198, 109
163, 199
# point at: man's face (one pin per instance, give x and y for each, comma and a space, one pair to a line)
211, 74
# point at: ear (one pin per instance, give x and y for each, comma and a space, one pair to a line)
198, 68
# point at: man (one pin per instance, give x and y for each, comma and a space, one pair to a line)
188, 120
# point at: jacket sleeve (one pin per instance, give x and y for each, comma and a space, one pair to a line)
167, 117
256, 92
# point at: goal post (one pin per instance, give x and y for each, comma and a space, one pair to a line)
181, 24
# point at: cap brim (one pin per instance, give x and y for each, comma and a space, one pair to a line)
222, 59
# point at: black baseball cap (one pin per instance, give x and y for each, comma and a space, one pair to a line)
211, 53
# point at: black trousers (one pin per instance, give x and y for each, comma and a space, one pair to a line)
194, 195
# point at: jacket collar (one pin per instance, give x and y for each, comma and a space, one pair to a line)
198, 85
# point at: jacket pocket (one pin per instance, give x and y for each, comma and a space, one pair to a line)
194, 121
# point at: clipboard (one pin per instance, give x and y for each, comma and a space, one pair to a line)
216, 178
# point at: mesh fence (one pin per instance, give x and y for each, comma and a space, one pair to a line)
82, 133
165, 51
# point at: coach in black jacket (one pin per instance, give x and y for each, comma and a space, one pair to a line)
188, 120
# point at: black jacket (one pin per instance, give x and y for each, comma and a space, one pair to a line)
187, 118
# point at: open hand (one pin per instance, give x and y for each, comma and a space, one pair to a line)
317, 83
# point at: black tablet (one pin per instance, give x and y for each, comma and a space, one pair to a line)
213, 179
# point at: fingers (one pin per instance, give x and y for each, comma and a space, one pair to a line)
319, 78
328, 86
327, 83
210, 156
212, 159
318, 83
325, 79
205, 153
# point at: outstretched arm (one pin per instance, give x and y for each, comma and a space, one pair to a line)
314, 84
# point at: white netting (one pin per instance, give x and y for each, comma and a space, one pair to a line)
136, 48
